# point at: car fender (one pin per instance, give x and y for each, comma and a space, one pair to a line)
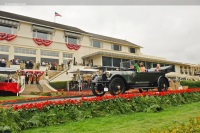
96, 79
120, 76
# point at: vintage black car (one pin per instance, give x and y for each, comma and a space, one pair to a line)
118, 81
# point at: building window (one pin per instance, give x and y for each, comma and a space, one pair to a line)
67, 55
25, 51
132, 50
106, 61
148, 65
110, 61
49, 60
173, 68
124, 60
96, 44
24, 58
49, 53
181, 70
116, 62
8, 29
116, 47
4, 48
71, 40
42, 35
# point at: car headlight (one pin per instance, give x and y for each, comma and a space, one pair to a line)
99, 73
93, 76
107, 74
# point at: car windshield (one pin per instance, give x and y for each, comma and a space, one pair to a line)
127, 64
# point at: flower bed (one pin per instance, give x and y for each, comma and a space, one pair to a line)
19, 117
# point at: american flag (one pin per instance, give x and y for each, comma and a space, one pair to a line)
57, 14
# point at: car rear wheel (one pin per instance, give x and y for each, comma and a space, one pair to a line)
98, 90
117, 86
140, 90
162, 85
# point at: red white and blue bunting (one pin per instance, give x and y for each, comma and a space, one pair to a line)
73, 46
42, 41
8, 37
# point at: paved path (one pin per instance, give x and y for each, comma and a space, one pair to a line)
38, 101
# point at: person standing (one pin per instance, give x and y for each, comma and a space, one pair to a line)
37, 75
27, 65
32, 78
68, 64
26, 78
17, 61
38, 65
3, 62
30, 64
55, 65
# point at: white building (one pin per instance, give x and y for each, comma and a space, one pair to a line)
44, 41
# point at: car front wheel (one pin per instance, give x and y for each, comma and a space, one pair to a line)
117, 86
98, 90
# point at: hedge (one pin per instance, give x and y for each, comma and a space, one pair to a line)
59, 84
63, 85
191, 84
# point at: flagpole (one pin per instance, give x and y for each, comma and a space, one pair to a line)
54, 18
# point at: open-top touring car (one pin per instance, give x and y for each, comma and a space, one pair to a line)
118, 81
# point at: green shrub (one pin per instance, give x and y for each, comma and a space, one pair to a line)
45, 94
5, 129
10, 121
59, 84
34, 93
2, 78
192, 126
191, 84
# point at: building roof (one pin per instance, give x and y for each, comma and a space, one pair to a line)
61, 26
122, 55
135, 57
39, 21
113, 39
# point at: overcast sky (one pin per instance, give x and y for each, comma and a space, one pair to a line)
172, 32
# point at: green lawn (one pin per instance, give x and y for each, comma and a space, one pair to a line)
128, 123
10, 97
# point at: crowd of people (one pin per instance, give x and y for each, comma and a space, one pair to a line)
51, 66
32, 77
28, 64
15, 61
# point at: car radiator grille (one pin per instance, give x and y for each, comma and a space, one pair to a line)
104, 78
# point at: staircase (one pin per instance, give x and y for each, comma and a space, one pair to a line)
42, 87
46, 87
30, 88
63, 76
53, 76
